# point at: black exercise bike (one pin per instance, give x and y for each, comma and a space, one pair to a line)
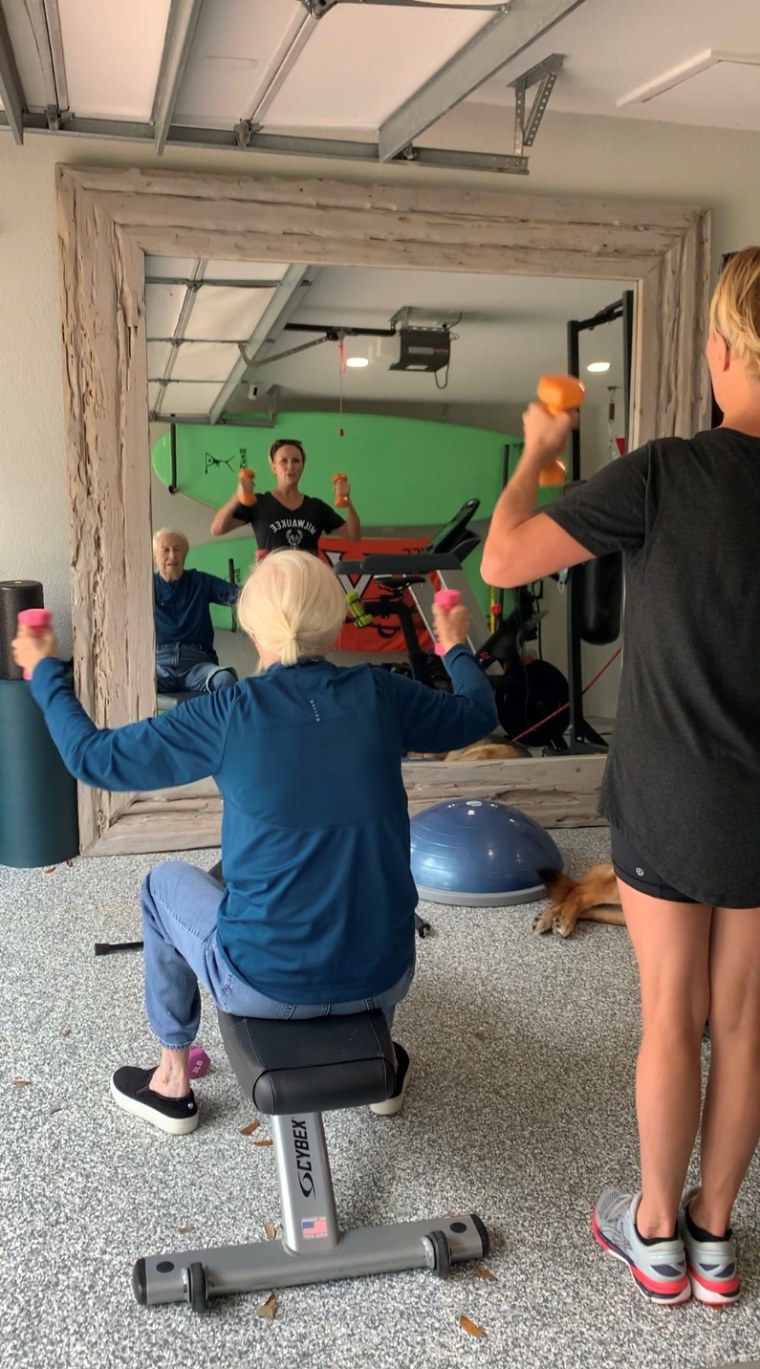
527, 690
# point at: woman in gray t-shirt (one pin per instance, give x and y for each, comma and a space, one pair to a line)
682, 785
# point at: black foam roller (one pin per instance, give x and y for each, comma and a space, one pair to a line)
38, 796
15, 595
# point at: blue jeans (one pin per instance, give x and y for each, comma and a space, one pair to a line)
179, 907
186, 667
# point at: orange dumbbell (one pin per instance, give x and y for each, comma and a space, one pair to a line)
559, 394
245, 486
341, 500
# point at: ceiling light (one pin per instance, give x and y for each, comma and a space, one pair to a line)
354, 351
598, 366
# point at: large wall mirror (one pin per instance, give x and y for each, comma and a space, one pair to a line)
205, 317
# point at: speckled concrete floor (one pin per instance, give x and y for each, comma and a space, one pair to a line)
520, 1108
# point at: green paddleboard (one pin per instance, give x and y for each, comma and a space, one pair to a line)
403, 472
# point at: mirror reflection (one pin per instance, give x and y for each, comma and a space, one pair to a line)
364, 413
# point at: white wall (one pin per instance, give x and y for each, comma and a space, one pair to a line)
572, 155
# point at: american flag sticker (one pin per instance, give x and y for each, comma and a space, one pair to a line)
314, 1226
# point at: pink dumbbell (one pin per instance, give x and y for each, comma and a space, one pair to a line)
198, 1062
37, 619
448, 599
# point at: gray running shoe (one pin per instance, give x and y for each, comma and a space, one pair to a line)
659, 1271
711, 1264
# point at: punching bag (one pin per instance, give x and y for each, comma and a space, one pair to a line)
38, 796
527, 698
15, 595
599, 587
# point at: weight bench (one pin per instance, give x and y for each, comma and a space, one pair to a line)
293, 1071
166, 701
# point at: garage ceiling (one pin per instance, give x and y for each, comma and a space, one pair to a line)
368, 78
217, 328
371, 80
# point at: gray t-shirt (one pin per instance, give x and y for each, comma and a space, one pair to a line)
682, 780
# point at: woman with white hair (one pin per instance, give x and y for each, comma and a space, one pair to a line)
318, 911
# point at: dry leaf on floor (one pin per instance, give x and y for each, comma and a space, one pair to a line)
184, 1230
252, 1126
262, 1143
270, 1229
48, 870
66, 1031
69, 862
268, 1308
483, 1273
471, 1328
19, 1083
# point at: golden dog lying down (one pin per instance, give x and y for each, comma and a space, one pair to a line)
477, 751
594, 898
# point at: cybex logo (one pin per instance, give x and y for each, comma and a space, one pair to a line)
303, 1158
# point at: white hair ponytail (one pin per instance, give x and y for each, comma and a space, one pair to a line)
292, 605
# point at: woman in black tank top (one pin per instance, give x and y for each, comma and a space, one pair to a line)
285, 516
682, 785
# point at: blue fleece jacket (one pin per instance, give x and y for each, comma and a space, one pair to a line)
181, 608
319, 905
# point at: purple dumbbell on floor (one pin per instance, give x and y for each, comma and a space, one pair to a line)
198, 1062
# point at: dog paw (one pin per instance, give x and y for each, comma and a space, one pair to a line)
544, 922
565, 926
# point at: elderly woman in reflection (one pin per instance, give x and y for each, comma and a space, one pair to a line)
317, 915
185, 655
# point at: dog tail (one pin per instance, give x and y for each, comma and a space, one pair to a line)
558, 884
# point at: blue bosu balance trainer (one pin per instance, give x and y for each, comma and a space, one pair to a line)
480, 853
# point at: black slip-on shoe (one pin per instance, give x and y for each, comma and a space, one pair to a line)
130, 1088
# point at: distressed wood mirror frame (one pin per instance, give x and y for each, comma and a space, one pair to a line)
108, 221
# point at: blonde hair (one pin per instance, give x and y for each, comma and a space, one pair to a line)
169, 532
735, 307
292, 605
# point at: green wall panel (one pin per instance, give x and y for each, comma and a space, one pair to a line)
404, 473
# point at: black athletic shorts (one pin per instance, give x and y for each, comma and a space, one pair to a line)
632, 869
